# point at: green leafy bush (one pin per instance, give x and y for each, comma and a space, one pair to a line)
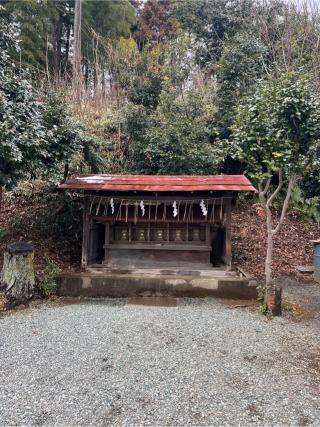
261, 291
307, 209
48, 285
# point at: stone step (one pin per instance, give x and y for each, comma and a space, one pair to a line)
112, 284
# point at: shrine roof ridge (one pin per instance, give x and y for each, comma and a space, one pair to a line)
158, 183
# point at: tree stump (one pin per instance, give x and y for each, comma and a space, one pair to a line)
273, 300
17, 276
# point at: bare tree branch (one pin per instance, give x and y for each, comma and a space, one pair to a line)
292, 181
277, 190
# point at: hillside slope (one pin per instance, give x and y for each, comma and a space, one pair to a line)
292, 246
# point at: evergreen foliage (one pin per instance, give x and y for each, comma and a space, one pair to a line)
112, 18
279, 127
240, 66
162, 82
35, 26
35, 135
156, 23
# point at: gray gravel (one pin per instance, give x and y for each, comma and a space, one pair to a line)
200, 363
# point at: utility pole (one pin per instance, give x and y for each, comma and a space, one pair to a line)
76, 70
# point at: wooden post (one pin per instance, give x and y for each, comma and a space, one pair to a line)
17, 276
228, 247
107, 241
208, 243
85, 234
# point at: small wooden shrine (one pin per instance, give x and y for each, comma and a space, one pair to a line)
144, 221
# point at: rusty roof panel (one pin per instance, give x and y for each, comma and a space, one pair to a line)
164, 183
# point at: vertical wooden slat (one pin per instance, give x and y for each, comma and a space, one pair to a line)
148, 232
85, 234
208, 234
228, 247
106, 242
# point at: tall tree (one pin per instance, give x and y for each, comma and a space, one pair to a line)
62, 29
35, 21
112, 18
76, 69
210, 21
103, 22
240, 66
156, 22
175, 138
277, 135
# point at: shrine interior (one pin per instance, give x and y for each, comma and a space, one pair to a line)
171, 232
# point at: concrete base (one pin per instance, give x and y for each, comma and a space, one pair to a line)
155, 282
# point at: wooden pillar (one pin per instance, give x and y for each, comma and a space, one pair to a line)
85, 233
107, 241
228, 247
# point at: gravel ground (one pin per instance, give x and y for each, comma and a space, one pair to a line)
200, 363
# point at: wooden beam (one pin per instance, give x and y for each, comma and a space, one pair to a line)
162, 198
113, 219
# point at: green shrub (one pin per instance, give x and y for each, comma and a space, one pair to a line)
306, 209
260, 291
48, 285
263, 309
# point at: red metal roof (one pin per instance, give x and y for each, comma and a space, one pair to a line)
103, 182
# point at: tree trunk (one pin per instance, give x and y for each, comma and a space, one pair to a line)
76, 71
57, 44
268, 263
273, 299
273, 294
66, 171
17, 276
67, 48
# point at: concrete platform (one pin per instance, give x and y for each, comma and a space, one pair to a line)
127, 283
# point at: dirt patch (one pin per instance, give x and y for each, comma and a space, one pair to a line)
51, 220
292, 244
